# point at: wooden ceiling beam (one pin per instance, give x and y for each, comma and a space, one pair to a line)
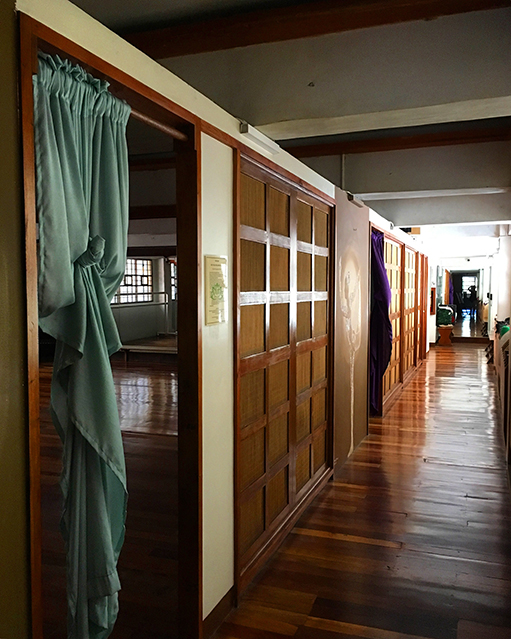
293, 22
151, 164
151, 251
399, 143
154, 212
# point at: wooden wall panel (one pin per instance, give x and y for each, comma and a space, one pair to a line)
408, 279
409, 311
393, 261
283, 417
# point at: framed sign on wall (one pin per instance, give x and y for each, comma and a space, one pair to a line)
215, 289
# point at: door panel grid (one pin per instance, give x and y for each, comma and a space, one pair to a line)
393, 258
409, 311
283, 417
408, 281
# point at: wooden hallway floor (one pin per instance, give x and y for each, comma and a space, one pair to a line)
414, 539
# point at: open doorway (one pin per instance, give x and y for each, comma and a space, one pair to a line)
471, 320
158, 390
146, 382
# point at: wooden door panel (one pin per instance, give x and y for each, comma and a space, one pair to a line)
283, 344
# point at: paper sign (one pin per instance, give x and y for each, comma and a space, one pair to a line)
215, 289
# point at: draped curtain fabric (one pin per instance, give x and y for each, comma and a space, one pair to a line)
82, 203
381, 327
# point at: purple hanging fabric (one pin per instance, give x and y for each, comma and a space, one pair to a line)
451, 291
381, 327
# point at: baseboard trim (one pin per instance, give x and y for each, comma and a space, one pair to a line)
212, 622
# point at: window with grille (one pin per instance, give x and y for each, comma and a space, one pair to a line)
173, 279
467, 281
137, 283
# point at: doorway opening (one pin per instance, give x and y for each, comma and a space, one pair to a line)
158, 388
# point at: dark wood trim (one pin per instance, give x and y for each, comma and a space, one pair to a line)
28, 56
156, 124
402, 317
219, 613
189, 256
236, 351
152, 251
278, 537
293, 22
401, 142
138, 163
425, 309
34, 35
153, 212
332, 297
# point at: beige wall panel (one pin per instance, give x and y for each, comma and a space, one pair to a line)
352, 256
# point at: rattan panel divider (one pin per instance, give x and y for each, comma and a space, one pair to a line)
393, 263
283, 429
409, 311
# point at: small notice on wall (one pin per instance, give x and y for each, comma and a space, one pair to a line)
215, 289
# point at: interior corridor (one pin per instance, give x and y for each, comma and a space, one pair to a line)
412, 541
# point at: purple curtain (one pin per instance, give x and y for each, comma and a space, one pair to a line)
380, 328
451, 291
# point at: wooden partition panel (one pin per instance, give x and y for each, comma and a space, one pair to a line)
409, 310
283, 416
393, 262
422, 304
425, 306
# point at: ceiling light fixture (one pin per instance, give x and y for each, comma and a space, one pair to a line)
258, 138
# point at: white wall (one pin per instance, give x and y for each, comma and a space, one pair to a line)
503, 269
217, 383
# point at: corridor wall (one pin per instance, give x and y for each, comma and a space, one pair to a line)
217, 362
351, 326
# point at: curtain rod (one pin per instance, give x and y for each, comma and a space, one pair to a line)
165, 128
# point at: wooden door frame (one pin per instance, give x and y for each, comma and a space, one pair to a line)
34, 35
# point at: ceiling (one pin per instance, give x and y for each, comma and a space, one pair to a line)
120, 15
378, 101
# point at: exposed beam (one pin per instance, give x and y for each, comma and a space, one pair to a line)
293, 22
152, 212
401, 142
151, 251
151, 164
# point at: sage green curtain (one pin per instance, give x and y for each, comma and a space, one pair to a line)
82, 203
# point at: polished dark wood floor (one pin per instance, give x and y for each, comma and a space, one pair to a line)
467, 326
414, 539
147, 398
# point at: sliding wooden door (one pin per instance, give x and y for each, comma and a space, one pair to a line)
422, 302
283, 430
409, 311
393, 263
